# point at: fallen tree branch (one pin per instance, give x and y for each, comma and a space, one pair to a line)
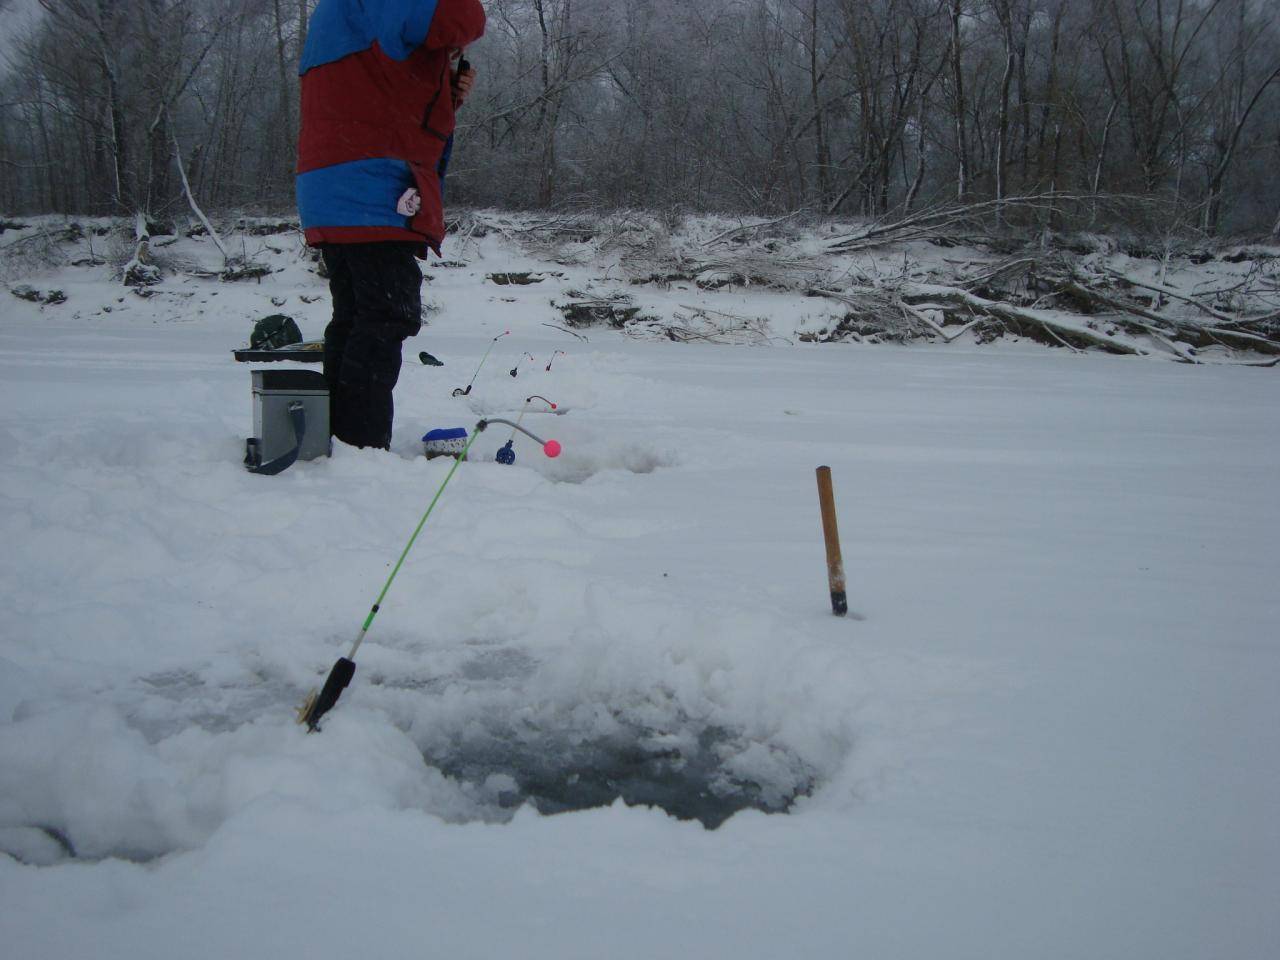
1051, 332
744, 228
572, 333
1197, 334
1003, 272
1020, 318
1091, 296
1247, 340
191, 198
920, 315
938, 221
1170, 292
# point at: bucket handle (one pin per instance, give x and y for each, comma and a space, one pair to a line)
298, 417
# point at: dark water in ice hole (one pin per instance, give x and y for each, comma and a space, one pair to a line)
560, 767
558, 774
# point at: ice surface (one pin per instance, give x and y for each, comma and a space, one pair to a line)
1052, 733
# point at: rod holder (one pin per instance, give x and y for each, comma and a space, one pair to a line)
831, 535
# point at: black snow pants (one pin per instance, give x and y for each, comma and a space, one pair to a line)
377, 303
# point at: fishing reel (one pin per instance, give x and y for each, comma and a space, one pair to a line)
506, 454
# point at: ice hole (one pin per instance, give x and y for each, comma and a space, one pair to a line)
706, 774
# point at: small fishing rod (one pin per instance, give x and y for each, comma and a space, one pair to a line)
462, 392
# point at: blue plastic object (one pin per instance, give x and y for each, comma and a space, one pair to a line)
507, 455
445, 433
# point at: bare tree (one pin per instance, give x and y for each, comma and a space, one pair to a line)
959, 107
1236, 96
840, 106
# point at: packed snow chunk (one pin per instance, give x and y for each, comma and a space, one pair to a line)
35, 846
91, 785
583, 457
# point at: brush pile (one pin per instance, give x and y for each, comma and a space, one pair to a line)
941, 275
973, 274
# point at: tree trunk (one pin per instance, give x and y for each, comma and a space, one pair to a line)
1051, 94
916, 182
285, 129
822, 154
958, 102
1102, 155
1002, 123
1213, 207
546, 124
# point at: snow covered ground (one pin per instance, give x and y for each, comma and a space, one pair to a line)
1051, 730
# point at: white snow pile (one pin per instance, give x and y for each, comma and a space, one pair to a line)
1047, 729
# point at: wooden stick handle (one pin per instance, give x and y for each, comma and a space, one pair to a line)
831, 534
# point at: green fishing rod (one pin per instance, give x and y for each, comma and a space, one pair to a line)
320, 702
464, 391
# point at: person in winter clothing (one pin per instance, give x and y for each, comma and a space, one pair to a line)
379, 91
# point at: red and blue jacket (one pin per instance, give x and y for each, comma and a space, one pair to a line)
377, 116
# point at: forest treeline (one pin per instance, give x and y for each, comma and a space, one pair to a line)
1169, 109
